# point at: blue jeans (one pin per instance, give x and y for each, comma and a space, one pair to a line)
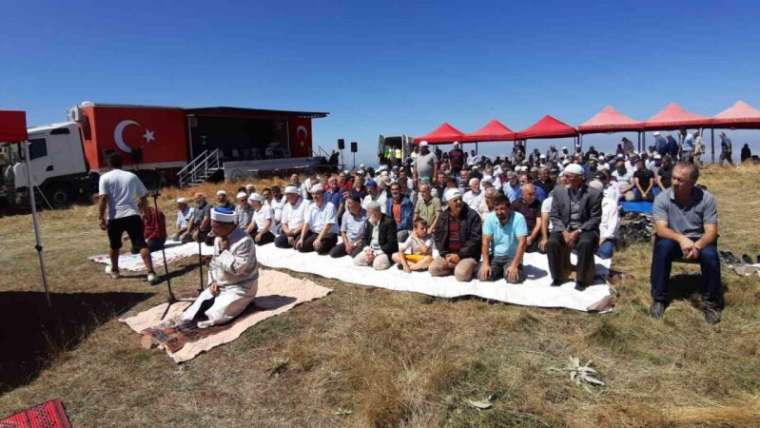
607, 249
665, 251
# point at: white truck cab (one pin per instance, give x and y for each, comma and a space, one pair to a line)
57, 162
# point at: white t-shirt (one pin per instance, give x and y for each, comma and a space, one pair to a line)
292, 215
381, 199
277, 209
123, 189
412, 244
262, 216
546, 207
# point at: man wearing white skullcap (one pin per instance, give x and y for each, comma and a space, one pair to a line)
222, 201
232, 274
292, 218
320, 228
243, 211
184, 218
575, 216
473, 197
457, 237
426, 164
263, 218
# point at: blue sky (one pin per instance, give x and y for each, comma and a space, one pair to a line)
385, 67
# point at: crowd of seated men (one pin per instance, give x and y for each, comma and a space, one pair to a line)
471, 216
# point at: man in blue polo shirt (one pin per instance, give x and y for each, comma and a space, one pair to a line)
504, 240
686, 223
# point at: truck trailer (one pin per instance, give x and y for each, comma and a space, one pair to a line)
162, 145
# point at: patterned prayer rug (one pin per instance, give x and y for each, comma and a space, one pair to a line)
45, 415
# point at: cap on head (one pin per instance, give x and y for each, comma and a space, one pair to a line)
182, 200
423, 143
255, 197
291, 190
574, 168
450, 194
223, 215
242, 195
221, 193
317, 188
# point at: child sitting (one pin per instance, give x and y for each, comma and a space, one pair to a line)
416, 253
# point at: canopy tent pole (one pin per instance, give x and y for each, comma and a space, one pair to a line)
33, 204
712, 143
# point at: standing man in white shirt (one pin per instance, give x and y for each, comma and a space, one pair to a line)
292, 218
320, 228
122, 194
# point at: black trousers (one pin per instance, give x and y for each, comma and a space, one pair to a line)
328, 242
558, 253
340, 250
282, 241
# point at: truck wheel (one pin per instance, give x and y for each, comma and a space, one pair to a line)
59, 195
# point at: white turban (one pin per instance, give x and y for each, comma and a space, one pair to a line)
242, 195
181, 200
317, 188
291, 189
223, 215
221, 192
256, 197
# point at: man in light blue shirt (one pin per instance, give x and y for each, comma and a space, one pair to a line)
504, 238
351, 228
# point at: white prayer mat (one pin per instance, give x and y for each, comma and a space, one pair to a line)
535, 291
278, 292
175, 250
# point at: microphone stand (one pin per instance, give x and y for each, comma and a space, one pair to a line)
170, 299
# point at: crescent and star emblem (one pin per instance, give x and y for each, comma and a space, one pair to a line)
118, 135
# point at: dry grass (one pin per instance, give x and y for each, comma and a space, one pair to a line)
372, 357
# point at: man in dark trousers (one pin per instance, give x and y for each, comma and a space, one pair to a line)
575, 216
686, 224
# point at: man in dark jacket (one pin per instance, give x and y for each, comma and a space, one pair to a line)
380, 238
457, 237
575, 216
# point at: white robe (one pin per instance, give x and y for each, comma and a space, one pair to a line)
236, 272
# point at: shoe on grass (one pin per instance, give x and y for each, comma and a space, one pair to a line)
114, 274
657, 309
152, 278
712, 313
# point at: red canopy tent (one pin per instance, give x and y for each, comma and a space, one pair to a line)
674, 116
547, 127
739, 115
13, 130
444, 134
492, 131
609, 120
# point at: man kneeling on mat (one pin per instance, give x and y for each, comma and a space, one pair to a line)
505, 234
233, 274
381, 238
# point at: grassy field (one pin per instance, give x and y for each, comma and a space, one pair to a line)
372, 357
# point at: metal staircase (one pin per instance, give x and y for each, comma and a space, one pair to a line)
201, 168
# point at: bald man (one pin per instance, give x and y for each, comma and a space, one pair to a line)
530, 207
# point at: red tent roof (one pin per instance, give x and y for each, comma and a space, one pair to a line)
674, 116
739, 115
547, 127
442, 135
12, 126
609, 120
492, 131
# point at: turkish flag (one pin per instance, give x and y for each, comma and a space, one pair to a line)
300, 137
12, 126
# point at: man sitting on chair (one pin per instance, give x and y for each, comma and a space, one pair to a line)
232, 274
686, 224
575, 216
